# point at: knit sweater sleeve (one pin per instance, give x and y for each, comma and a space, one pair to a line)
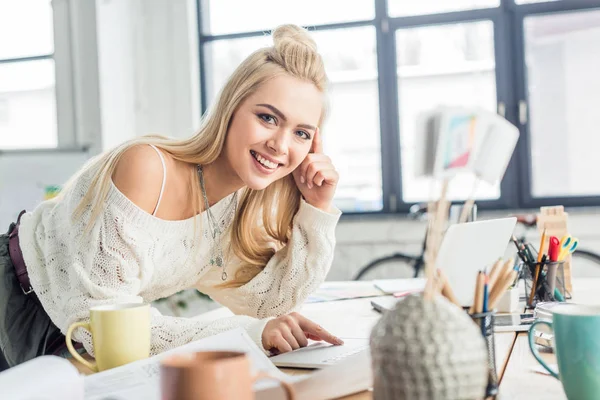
291, 275
113, 274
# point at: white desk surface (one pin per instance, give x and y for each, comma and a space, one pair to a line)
355, 318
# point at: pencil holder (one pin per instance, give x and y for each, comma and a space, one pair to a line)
549, 282
485, 322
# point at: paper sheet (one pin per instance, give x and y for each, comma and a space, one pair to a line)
43, 378
391, 286
141, 379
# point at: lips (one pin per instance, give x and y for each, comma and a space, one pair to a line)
264, 161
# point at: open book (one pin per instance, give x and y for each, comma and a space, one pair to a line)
57, 378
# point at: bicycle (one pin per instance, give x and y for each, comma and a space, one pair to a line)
413, 263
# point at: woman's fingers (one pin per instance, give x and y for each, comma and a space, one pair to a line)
292, 331
315, 330
312, 171
289, 338
325, 175
280, 344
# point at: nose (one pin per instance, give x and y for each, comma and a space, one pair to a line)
278, 143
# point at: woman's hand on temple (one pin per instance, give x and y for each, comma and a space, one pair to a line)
292, 331
316, 176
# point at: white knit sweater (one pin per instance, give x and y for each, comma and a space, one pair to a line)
131, 256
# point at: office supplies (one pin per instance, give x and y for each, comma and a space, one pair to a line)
495, 271
541, 248
447, 288
478, 297
320, 354
508, 301
382, 304
391, 286
469, 247
553, 249
500, 288
555, 220
485, 294
513, 322
333, 290
568, 246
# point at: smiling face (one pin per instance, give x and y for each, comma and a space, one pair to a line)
271, 132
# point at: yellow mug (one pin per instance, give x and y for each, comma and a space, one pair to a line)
120, 335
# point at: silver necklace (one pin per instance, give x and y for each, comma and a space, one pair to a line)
217, 256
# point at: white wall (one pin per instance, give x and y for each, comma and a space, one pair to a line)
148, 68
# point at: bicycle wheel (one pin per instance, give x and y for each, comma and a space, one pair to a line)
397, 265
585, 264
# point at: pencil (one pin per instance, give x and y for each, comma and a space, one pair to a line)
506, 270
500, 288
447, 291
479, 293
495, 272
542, 244
478, 287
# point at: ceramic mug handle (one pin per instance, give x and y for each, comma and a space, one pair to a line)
289, 390
534, 351
74, 353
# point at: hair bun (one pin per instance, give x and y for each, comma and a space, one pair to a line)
286, 36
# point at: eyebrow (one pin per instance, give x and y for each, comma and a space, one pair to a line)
282, 116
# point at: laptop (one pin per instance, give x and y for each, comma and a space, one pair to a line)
320, 354
466, 249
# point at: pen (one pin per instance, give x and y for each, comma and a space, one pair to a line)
485, 294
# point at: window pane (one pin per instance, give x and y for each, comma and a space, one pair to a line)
231, 16
25, 28
401, 8
351, 134
27, 105
564, 98
533, 1
443, 65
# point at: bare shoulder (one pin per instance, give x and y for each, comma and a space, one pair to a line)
139, 176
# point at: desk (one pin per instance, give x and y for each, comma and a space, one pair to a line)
519, 381
355, 318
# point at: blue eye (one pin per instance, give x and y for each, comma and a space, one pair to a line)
301, 133
269, 119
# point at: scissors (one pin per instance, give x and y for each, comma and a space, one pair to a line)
568, 244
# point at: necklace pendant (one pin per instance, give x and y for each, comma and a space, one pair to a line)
219, 261
224, 276
212, 261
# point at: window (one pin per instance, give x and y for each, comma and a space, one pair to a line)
235, 16
27, 78
532, 61
399, 8
564, 98
442, 65
351, 135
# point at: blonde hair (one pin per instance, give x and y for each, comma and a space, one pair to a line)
263, 220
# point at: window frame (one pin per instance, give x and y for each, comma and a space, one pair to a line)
511, 88
67, 15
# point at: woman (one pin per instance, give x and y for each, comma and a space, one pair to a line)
242, 211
